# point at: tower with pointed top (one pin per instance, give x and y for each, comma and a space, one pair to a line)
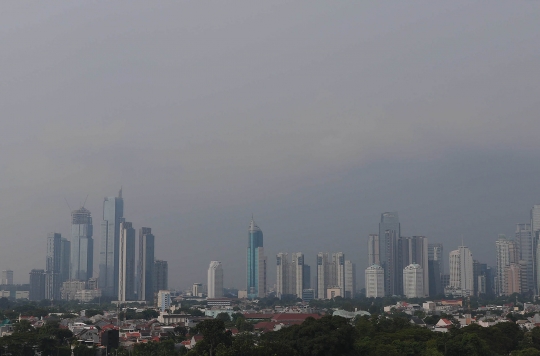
256, 263
113, 215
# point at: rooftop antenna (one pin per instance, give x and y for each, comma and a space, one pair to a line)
83, 204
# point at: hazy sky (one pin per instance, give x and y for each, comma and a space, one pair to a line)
314, 116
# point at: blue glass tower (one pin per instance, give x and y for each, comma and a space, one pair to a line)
256, 263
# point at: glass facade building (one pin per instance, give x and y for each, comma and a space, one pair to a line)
82, 245
256, 263
113, 215
146, 265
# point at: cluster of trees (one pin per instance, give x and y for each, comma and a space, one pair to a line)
367, 336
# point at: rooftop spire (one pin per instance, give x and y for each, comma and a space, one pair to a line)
120, 192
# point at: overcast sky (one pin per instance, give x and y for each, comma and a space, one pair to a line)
314, 116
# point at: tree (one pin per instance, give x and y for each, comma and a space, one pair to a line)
214, 334
224, 317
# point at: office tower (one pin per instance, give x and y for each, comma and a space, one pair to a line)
126, 263
526, 253
282, 275
161, 275
256, 263
7, 277
435, 285
374, 281
413, 281
145, 289
413, 250
215, 280
53, 281
337, 273
322, 274
82, 245
507, 253
389, 232
37, 285
113, 212
306, 277
461, 271
65, 259
436, 253
297, 274
350, 279
373, 249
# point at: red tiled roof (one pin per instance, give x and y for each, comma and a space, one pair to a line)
293, 317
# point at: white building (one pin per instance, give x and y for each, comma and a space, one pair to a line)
507, 253
7, 277
413, 281
197, 290
164, 300
215, 280
350, 279
126, 263
297, 274
374, 281
461, 271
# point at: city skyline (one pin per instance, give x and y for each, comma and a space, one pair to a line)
424, 108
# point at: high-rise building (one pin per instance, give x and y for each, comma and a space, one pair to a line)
507, 253
53, 271
322, 274
435, 285
146, 265
461, 271
65, 259
526, 247
256, 263
436, 253
282, 274
37, 285
163, 299
337, 272
113, 215
82, 245
513, 280
215, 280
413, 280
389, 233
306, 277
374, 281
414, 250
197, 289
7, 277
535, 231
373, 249
297, 274
350, 279
126, 271
161, 275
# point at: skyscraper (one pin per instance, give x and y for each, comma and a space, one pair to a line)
436, 253
126, 274
146, 265
507, 254
461, 271
322, 274
256, 263
7, 277
161, 275
350, 279
297, 273
37, 285
53, 281
65, 259
82, 245
337, 272
282, 274
373, 249
414, 250
389, 232
435, 268
215, 280
525, 241
113, 215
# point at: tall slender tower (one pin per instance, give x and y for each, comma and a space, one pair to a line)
82, 245
256, 263
161, 275
507, 254
282, 275
297, 268
322, 274
461, 270
113, 215
126, 273
389, 233
373, 249
53, 281
146, 265
215, 280
525, 241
